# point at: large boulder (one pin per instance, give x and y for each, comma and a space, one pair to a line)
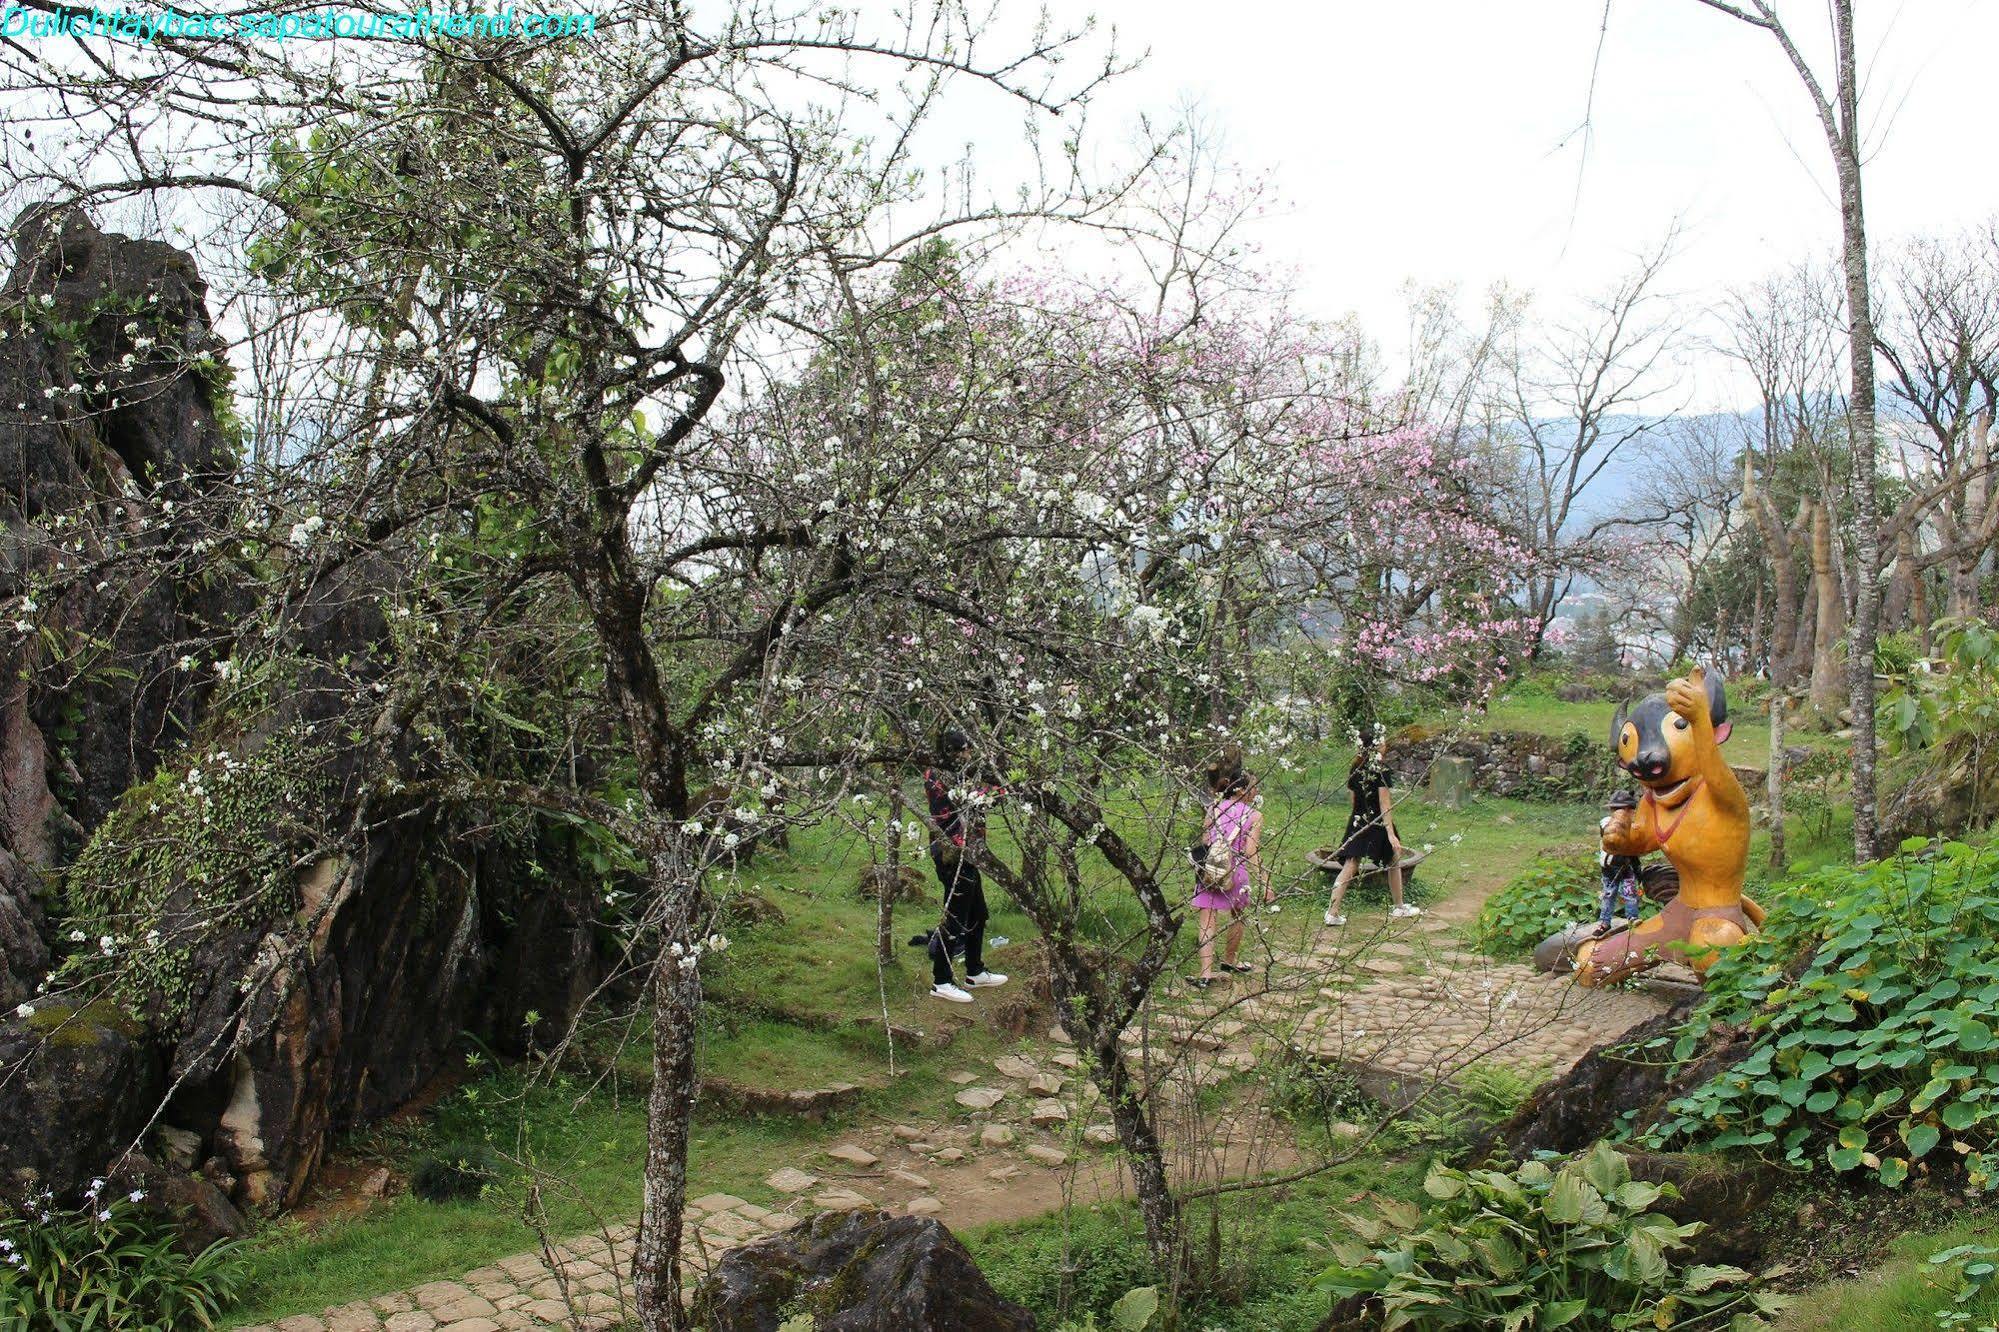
80, 1086
104, 327
1625, 1082
282, 1001
857, 1271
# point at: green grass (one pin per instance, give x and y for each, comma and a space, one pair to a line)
1902, 1295
595, 1148
794, 1005
800, 1004
1748, 744
1271, 1247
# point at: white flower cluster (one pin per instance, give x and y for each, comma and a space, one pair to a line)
303, 532
689, 955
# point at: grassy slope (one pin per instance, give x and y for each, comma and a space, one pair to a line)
796, 1005
799, 1004
1271, 1248
1903, 1295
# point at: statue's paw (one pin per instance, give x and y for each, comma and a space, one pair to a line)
1687, 698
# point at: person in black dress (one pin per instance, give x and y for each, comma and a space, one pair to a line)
1370, 833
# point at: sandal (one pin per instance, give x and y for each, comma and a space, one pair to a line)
1239, 968
1202, 982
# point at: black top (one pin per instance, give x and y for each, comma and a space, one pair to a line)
1366, 782
1367, 830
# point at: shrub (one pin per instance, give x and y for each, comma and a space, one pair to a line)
1816, 789
1573, 1247
109, 1265
1941, 724
1896, 653
461, 1171
1307, 1092
1547, 896
1480, 1096
1871, 995
1080, 1267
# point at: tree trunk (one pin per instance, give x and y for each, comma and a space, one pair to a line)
888, 885
1965, 569
676, 998
1784, 613
1146, 1159
1830, 611
1866, 505
1756, 633
1775, 786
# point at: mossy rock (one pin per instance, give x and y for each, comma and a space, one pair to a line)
910, 884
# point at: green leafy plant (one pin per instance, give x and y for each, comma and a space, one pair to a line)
1548, 895
1308, 1092
1972, 1268
1815, 790
1941, 723
1576, 1246
1871, 995
1136, 1309
1897, 653
1479, 1096
456, 1172
109, 1265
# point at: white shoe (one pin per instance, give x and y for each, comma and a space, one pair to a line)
951, 993
1405, 911
986, 978
1331, 919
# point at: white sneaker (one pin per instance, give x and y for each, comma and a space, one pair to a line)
986, 978
1331, 919
1405, 911
951, 993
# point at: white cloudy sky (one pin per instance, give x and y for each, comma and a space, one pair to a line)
1435, 139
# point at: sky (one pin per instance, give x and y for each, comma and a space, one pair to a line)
1440, 140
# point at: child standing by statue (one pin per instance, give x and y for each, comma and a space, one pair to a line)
1619, 873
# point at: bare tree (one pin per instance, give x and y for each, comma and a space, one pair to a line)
1689, 497
1575, 401
1838, 110
1783, 331
1940, 340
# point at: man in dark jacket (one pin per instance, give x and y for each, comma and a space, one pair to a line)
958, 824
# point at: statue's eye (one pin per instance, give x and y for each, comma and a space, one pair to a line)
1680, 723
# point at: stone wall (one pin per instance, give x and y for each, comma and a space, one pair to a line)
1523, 765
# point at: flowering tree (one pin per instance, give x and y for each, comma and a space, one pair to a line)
503, 295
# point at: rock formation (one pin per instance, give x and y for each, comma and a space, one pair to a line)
859, 1271
280, 1018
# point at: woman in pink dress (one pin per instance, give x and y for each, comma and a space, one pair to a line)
1233, 830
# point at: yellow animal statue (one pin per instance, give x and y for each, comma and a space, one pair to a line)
1693, 810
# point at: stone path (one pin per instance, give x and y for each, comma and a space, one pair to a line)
586, 1287
1401, 1004
1411, 1001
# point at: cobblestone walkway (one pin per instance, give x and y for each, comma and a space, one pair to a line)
1412, 1001
586, 1288
1402, 1001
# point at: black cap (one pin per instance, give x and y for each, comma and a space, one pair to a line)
1622, 798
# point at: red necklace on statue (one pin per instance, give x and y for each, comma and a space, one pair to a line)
1666, 834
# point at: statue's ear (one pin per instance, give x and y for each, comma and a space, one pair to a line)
1723, 731
1617, 724
1717, 701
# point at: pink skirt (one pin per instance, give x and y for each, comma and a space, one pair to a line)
1234, 898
